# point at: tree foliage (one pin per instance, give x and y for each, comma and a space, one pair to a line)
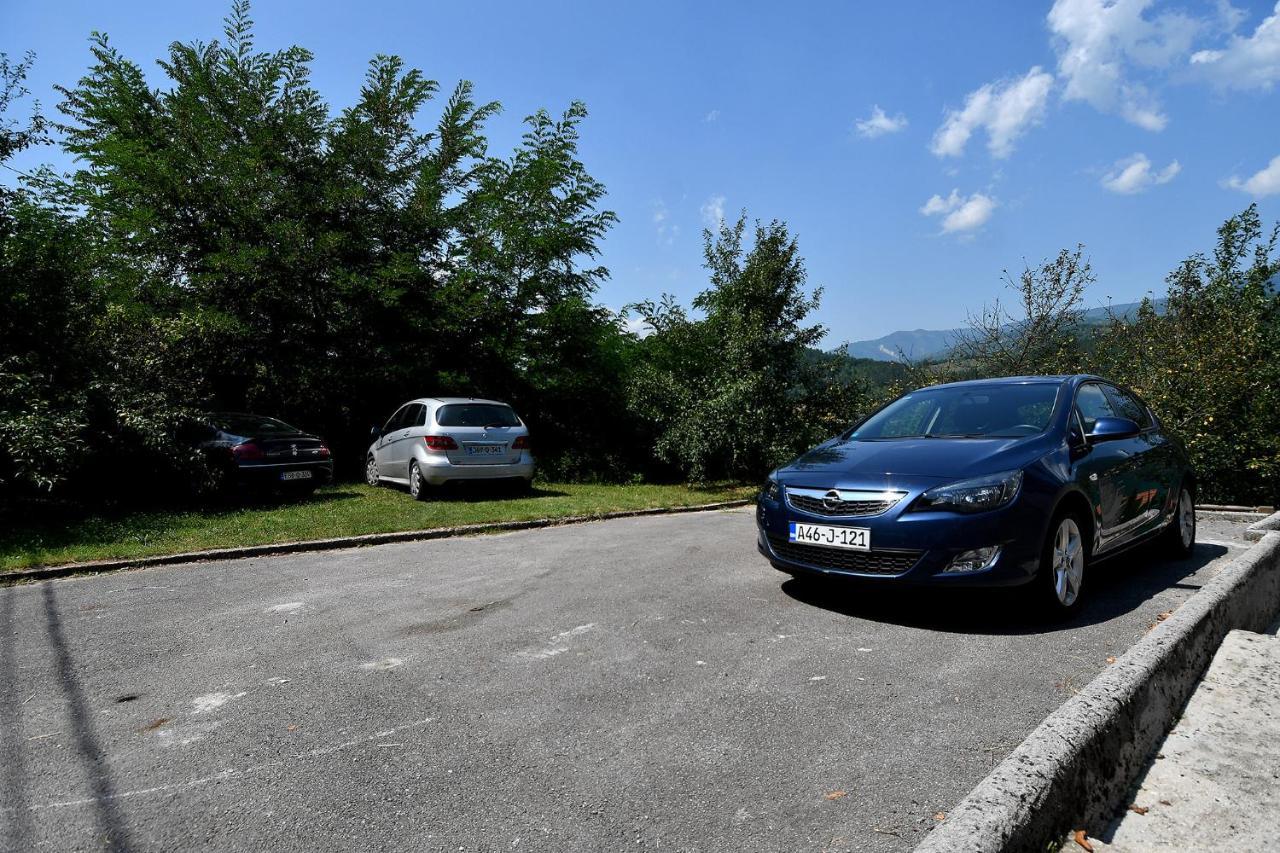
241, 246
733, 393
1209, 364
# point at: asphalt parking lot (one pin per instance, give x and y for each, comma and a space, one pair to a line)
644, 683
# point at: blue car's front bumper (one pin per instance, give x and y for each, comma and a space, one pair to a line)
910, 547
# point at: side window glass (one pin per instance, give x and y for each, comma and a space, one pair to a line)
1092, 403
1129, 407
397, 420
417, 416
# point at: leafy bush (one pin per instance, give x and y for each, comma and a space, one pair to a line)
1210, 363
734, 394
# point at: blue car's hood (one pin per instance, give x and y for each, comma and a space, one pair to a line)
876, 463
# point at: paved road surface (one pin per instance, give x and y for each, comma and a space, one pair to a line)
648, 684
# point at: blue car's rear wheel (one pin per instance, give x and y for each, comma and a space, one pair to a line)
1180, 535
1060, 584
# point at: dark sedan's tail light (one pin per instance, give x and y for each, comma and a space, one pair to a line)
440, 442
247, 452
323, 450
521, 443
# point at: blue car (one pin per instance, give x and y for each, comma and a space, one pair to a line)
1026, 480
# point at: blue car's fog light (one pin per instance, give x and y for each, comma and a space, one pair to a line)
974, 561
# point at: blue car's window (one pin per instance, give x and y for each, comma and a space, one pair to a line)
1128, 407
1092, 402
982, 411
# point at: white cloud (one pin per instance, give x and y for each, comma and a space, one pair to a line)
713, 211
961, 214
667, 230
1262, 183
879, 124
712, 116
1102, 44
1251, 62
1133, 175
1004, 109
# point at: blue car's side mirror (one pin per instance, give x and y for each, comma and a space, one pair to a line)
1110, 429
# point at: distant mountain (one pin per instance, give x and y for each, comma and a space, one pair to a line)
930, 343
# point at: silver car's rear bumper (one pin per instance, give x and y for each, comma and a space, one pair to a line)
437, 470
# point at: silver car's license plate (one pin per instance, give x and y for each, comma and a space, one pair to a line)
857, 538
295, 475
484, 449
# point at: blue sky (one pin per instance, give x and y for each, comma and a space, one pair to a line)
1004, 130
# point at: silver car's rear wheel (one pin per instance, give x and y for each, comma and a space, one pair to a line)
371, 472
417, 487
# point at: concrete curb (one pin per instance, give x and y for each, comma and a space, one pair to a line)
50, 572
1254, 532
1252, 510
1075, 770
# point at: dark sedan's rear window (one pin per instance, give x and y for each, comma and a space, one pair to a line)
476, 415
251, 425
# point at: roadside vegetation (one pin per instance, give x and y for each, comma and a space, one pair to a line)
64, 534
230, 241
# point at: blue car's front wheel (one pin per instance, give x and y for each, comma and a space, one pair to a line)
1062, 566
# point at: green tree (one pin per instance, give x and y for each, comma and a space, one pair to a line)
1209, 364
735, 393
1042, 335
332, 266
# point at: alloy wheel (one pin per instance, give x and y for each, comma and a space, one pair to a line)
1186, 519
1068, 562
371, 472
415, 480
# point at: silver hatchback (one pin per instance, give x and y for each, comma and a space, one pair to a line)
435, 440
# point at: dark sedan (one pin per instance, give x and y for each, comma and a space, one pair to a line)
998, 482
265, 453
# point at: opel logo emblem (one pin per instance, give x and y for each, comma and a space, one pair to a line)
831, 500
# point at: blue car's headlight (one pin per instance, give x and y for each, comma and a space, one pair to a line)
772, 490
977, 495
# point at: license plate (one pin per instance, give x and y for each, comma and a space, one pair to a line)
857, 538
484, 449
295, 475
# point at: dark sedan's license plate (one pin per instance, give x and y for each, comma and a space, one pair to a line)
857, 538
295, 475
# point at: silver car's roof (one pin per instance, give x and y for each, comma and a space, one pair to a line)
447, 400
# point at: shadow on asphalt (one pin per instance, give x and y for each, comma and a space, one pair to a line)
1113, 588
110, 819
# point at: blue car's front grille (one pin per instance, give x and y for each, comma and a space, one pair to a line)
881, 562
845, 503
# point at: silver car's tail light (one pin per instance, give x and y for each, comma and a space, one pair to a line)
440, 443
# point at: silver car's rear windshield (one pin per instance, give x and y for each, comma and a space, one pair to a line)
476, 415
976, 411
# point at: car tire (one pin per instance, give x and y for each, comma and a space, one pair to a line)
371, 477
1180, 536
417, 485
1064, 564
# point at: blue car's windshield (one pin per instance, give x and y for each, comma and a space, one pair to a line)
973, 411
